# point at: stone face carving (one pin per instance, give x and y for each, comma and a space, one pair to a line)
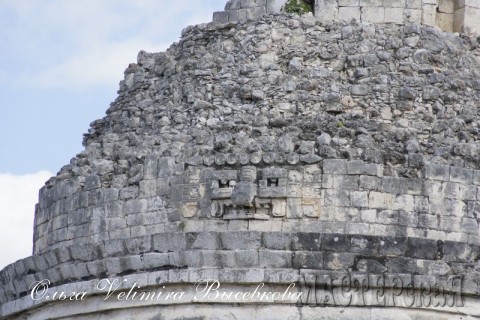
251, 193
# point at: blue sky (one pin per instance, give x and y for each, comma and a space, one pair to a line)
60, 65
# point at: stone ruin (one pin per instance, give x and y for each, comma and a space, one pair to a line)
343, 157
448, 15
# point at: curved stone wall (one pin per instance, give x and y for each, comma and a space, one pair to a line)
369, 129
331, 196
262, 151
245, 258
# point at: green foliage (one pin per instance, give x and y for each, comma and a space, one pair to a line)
297, 6
340, 124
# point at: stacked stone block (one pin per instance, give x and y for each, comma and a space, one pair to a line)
448, 15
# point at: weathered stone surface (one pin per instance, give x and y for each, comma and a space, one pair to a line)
251, 151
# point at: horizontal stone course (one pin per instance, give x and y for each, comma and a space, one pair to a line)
248, 249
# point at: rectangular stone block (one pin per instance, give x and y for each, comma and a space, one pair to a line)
421, 204
369, 215
461, 175
326, 10
359, 199
373, 14
357, 228
380, 200
429, 14
476, 177
345, 182
338, 261
308, 260
413, 4
135, 206
275, 259
394, 15
446, 6
241, 240
362, 168
166, 167
404, 202
412, 16
246, 258
437, 172
220, 17
154, 260
275, 6
170, 241
276, 241
349, 13
335, 166
387, 217
327, 181
371, 3
348, 3
469, 225
469, 192
336, 197
452, 190
370, 183
394, 3
428, 221
459, 20
255, 12
445, 21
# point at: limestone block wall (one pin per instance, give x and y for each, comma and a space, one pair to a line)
241, 10
285, 194
261, 151
448, 15
243, 258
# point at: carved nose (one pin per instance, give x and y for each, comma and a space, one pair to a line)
244, 193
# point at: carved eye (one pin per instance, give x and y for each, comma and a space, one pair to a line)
272, 182
226, 183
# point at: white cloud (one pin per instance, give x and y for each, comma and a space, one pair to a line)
71, 43
102, 65
18, 196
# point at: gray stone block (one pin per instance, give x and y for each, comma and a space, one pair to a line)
339, 261
424, 249
345, 182
139, 245
476, 177
308, 260
359, 167
437, 172
86, 252
114, 248
357, 228
338, 166
335, 242
154, 260
306, 241
220, 17
167, 242
206, 241
277, 240
461, 175
275, 259
246, 258
241, 240
370, 183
